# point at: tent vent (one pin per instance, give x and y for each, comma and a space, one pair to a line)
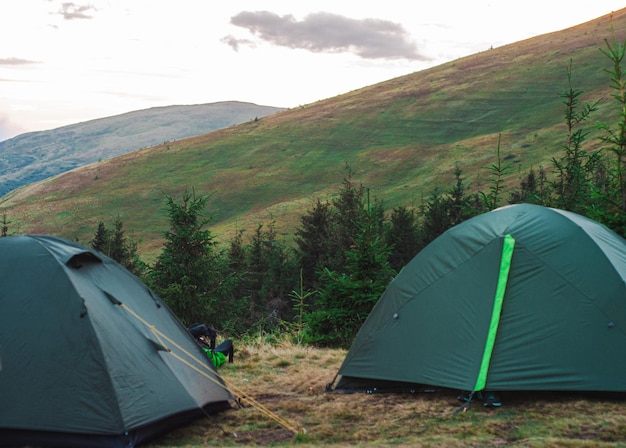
155, 298
113, 300
77, 261
158, 346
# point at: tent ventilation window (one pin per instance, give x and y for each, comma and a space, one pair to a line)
155, 298
84, 258
110, 296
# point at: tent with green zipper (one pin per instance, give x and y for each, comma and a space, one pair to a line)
89, 356
524, 297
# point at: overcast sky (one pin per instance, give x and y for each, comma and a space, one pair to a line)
64, 62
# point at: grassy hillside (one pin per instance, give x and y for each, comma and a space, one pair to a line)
401, 138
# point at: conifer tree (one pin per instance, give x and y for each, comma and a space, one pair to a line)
575, 168
100, 241
441, 211
4, 227
402, 237
118, 248
182, 274
497, 172
347, 213
314, 241
236, 253
610, 192
533, 189
272, 274
347, 296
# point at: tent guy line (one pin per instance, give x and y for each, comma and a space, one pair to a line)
202, 368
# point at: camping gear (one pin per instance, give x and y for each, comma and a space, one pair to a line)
202, 332
217, 355
489, 399
90, 357
524, 297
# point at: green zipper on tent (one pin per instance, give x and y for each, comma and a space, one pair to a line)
503, 276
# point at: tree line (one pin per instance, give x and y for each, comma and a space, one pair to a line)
321, 287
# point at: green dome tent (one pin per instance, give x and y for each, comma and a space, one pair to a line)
520, 298
89, 356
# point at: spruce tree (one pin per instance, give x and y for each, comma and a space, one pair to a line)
347, 213
182, 274
236, 253
100, 241
497, 172
347, 296
118, 248
314, 241
610, 182
575, 168
533, 189
402, 237
4, 226
272, 274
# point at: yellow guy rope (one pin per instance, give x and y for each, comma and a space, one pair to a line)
203, 369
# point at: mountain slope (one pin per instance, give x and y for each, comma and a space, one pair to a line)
401, 138
38, 155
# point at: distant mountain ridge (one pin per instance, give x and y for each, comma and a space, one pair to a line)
36, 156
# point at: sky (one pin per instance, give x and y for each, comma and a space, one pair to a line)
65, 62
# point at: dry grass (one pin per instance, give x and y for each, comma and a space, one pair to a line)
289, 381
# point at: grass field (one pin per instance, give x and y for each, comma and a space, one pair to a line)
288, 382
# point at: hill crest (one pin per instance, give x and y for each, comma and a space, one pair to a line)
401, 138
38, 155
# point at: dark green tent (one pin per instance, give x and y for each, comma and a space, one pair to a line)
521, 298
89, 356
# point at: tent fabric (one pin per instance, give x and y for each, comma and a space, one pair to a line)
562, 324
89, 356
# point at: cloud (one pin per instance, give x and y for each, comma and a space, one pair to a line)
235, 43
71, 11
15, 61
332, 33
